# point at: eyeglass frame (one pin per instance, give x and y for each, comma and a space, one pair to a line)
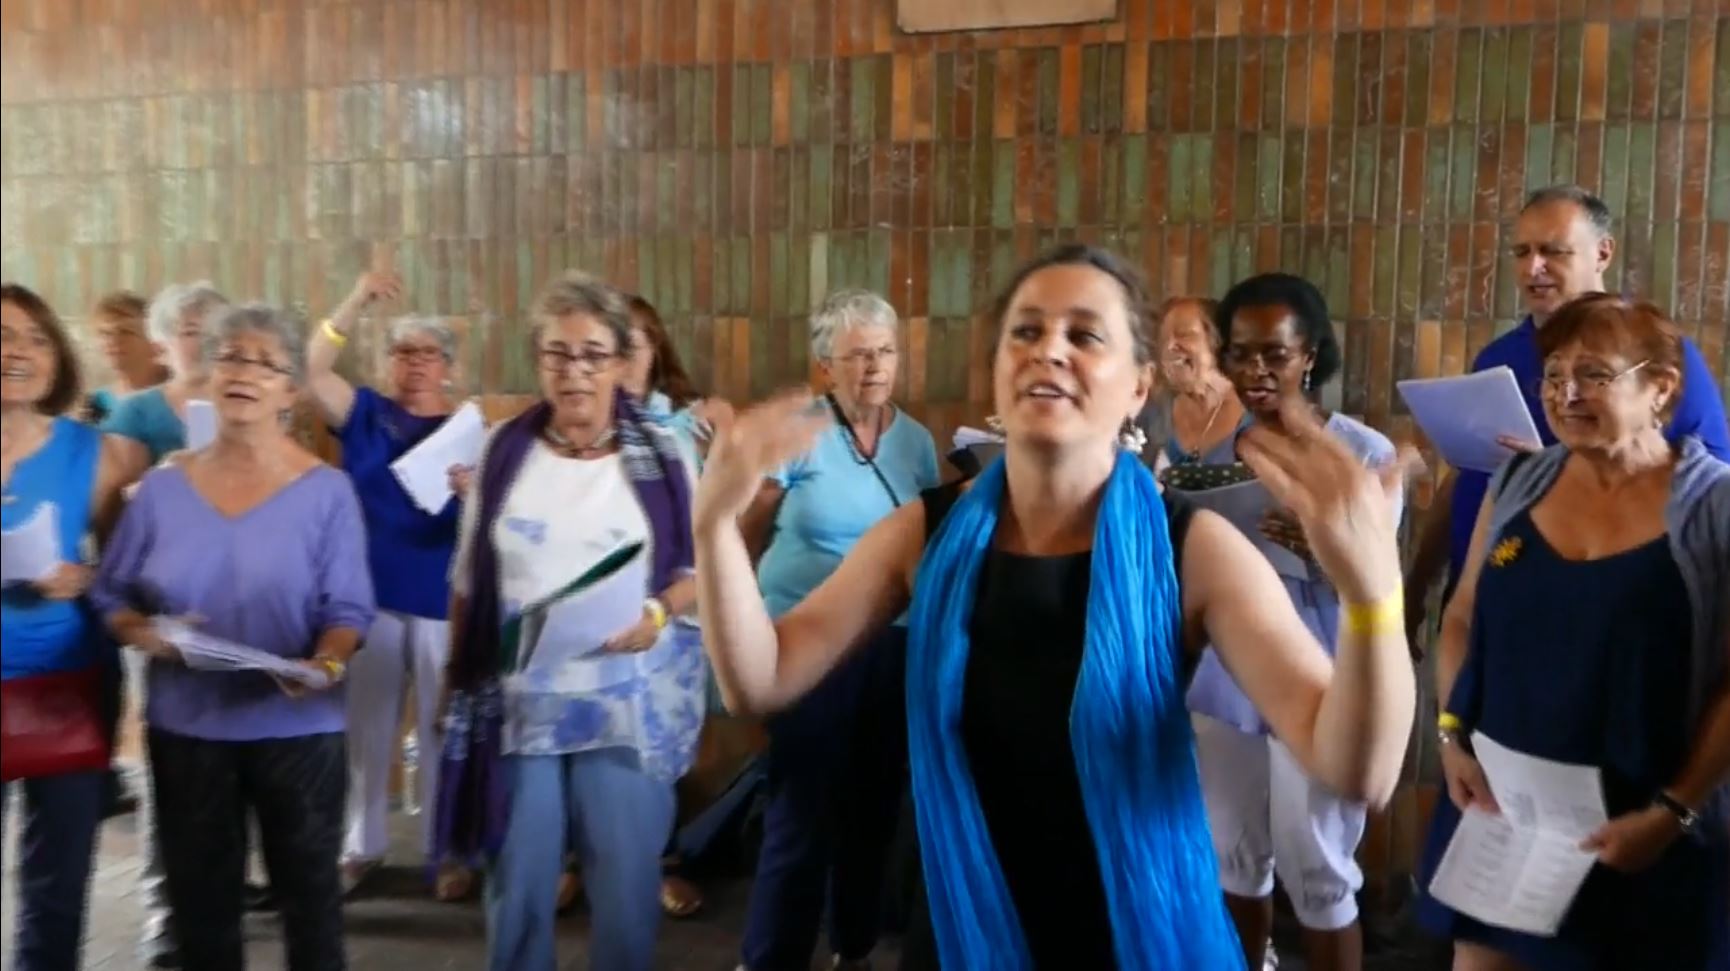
553, 360
234, 361
1584, 388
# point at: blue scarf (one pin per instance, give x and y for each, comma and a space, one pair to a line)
473, 801
1134, 749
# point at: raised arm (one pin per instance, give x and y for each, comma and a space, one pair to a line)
329, 391
1348, 725
763, 664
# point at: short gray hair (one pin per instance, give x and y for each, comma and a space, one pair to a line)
845, 310
176, 302
1597, 213
574, 293
402, 328
265, 320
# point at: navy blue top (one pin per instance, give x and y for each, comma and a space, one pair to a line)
408, 550
1586, 661
1700, 412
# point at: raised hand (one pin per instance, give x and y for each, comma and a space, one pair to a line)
751, 445
373, 286
1346, 510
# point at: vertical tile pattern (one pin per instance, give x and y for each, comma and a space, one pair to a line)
734, 160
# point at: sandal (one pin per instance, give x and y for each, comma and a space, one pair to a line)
570, 890
355, 872
680, 898
454, 884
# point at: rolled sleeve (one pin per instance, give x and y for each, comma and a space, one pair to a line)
344, 583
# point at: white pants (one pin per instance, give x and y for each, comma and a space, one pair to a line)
1268, 816
399, 648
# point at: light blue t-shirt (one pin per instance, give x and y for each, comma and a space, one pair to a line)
832, 498
147, 418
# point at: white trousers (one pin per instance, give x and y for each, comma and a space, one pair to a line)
1267, 816
399, 649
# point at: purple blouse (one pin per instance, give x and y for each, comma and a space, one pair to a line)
275, 578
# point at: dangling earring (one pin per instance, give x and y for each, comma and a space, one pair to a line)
1131, 438
1306, 380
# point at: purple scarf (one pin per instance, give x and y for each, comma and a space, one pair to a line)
473, 803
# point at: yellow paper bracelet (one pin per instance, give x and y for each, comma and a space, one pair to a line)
1448, 722
657, 612
330, 332
1382, 617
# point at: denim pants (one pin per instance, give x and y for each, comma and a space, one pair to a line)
837, 765
205, 791
56, 845
617, 819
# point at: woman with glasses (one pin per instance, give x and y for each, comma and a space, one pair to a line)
52, 465
836, 759
255, 541
409, 550
572, 708
1591, 626
1266, 813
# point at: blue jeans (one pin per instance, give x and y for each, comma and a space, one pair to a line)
617, 819
837, 761
56, 846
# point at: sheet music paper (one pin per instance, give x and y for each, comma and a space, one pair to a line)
1464, 415
1245, 504
200, 423
424, 471
575, 627
31, 550
202, 652
1522, 869
967, 437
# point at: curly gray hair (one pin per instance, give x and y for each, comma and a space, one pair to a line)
176, 302
575, 292
263, 319
846, 310
402, 328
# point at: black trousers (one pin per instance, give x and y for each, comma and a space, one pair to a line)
295, 788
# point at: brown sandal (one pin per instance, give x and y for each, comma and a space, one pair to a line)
680, 898
454, 885
570, 889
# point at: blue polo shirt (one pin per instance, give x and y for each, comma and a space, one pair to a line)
1700, 413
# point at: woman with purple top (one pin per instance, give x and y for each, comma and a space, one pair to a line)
255, 541
1266, 812
50, 463
409, 550
576, 730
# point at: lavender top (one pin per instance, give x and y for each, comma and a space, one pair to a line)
275, 578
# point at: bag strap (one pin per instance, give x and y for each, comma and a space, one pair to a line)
859, 449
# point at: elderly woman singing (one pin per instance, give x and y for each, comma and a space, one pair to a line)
573, 708
154, 420
1592, 626
1058, 604
409, 550
257, 542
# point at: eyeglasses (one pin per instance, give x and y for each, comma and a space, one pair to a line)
1273, 357
866, 356
589, 360
17, 338
417, 355
236, 361
1585, 383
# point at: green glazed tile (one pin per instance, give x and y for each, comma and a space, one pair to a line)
1416, 110
943, 114
1292, 179
762, 104
1615, 169
1003, 183
1464, 173
702, 190
1721, 74
799, 189
683, 98
1518, 92
1204, 108
1273, 87
1135, 178
1563, 153
1159, 87
1003, 261
1242, 255
1201, 176
741, 273
1048, 85
823, 127
799, 274
1718, 186
1068, 182
1178, 176
1570, 49
1495, 74
1223, 85
539, 122
943, 172
779, 304
1642, 164
1385, 267
1111, 89
799, 101
822, 174
1338, 268
1468, 68
1619, 80
1091, 106
1364, 163
863, 100
1246, 174
1219, 260
1672, 70
1345, 106
683, 260
721, 276
1661, 280
1540, 153
741, 97
666, 195
702, 105
877, 246
985, 97
1110, 189
1268, 173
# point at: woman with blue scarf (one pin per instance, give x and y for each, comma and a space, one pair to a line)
572, 708
1058, 603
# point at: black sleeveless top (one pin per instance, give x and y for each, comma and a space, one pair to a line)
1028, 633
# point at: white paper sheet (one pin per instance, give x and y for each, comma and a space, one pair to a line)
203, 652
967, 437
424, 471
1244, 505
31, 551
200, 423
1465, 415
1522, 869
577, 626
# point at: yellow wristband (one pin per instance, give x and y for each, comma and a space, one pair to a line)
336, 669
1450, 722
1385, 616
333, 335
657, 611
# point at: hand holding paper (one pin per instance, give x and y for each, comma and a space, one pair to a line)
202, 652
30, 553
425, 470
1475, 420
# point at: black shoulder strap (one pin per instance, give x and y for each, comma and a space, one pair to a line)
859, 449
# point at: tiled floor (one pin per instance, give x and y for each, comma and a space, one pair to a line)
395, 927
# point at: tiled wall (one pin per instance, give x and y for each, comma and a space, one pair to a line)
733, 159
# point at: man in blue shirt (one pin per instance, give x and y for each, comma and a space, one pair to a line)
1562, 246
